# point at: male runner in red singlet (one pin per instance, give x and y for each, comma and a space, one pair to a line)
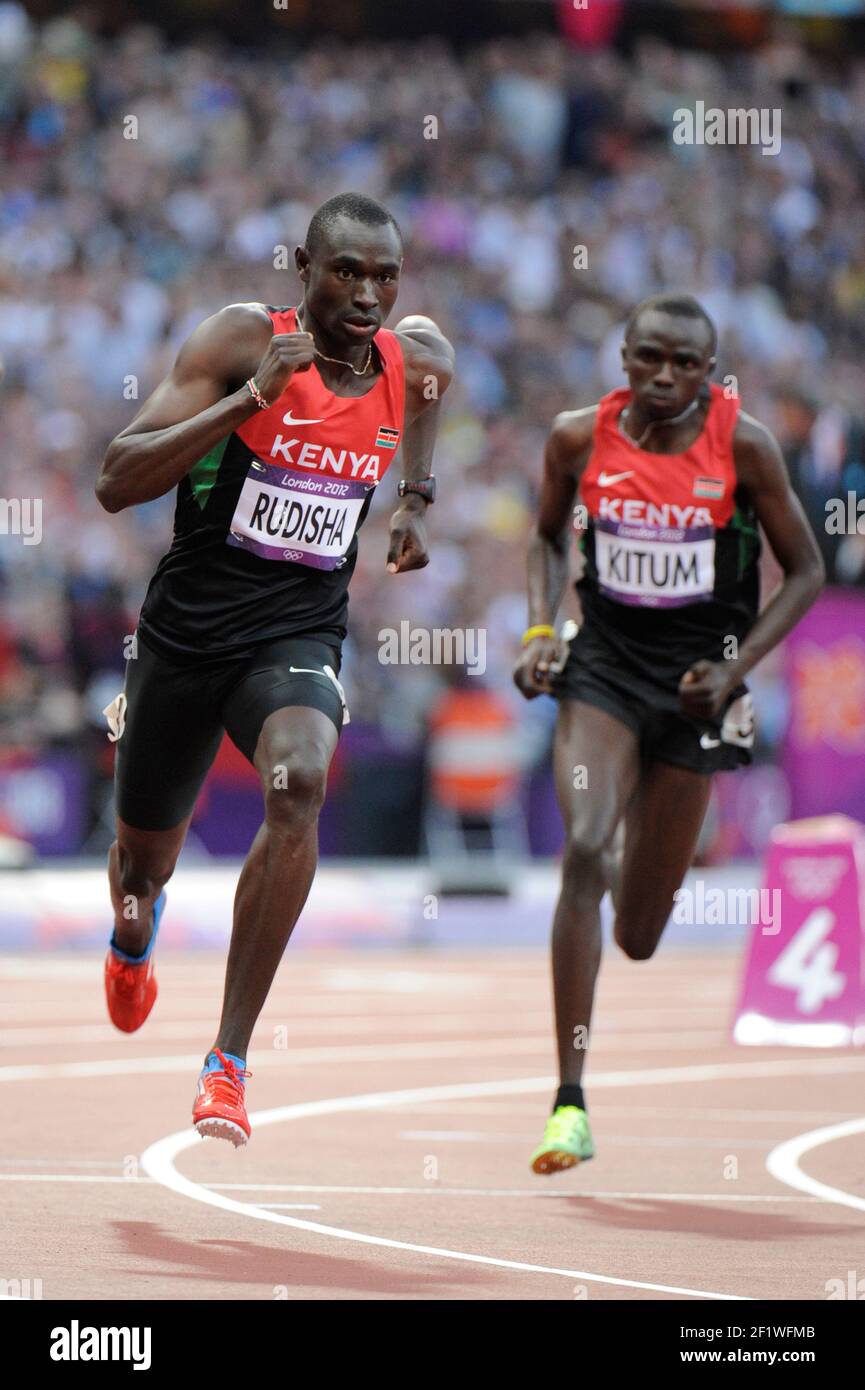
276, 425
674, 479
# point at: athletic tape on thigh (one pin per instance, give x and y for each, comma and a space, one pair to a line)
115, 713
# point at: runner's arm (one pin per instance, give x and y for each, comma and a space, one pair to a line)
429, 360
189, 411
550, 539
762, 471
565, 456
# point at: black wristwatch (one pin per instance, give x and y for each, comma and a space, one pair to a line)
424, 487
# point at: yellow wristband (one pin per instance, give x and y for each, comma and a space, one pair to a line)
539, 630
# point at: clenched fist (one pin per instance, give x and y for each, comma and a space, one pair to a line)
286, 354
407, 547
705, 688
539, 661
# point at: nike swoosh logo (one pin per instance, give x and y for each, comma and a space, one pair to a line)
607, 479
290, 420
706, 742
328, 671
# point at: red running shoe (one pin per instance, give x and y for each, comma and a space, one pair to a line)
219, 1111
130, 983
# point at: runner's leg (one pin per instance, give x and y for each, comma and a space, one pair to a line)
292, 757
662, 828
586, 737
140, 863
170, 736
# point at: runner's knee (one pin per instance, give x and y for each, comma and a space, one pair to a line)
143, 870
583, 863
638, 934
294, 789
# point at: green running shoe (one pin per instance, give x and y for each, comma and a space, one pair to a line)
567, 1140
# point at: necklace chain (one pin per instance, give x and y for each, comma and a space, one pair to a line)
358, 371
673, 420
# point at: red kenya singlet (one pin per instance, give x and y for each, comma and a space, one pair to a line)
671, 548
265, 528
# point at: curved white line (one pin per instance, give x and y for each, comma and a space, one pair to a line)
158, 1162
783, 1163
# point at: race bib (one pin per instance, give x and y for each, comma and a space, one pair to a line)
655, 567
282, 514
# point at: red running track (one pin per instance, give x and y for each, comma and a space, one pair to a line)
406, 1093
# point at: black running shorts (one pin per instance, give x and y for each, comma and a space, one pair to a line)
175, 716
594, 674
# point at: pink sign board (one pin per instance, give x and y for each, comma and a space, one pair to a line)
803, 981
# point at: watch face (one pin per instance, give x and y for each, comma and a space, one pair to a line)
424, 487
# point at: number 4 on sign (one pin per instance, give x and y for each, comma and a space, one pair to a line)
807, 964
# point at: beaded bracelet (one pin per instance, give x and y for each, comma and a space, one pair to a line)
256, 395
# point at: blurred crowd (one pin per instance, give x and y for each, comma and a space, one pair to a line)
144, 185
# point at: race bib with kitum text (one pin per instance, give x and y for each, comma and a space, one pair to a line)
655, 567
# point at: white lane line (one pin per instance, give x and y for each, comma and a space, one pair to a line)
719, 1113
498, 1048
42, 1010
288, 1206
605, 1040
66, 1177
158, 1162
516, 1107
431, 1191
158, 1159
351, 1025
520, 1192
348, 1026
783, 1163
637, 1141
277, 1057
58, 1162
447, 1049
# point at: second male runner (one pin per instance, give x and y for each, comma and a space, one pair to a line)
674, 479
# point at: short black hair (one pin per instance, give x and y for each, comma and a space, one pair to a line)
354, 205
679, 305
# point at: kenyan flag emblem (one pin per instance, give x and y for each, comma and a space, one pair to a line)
387, 438
709, 487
